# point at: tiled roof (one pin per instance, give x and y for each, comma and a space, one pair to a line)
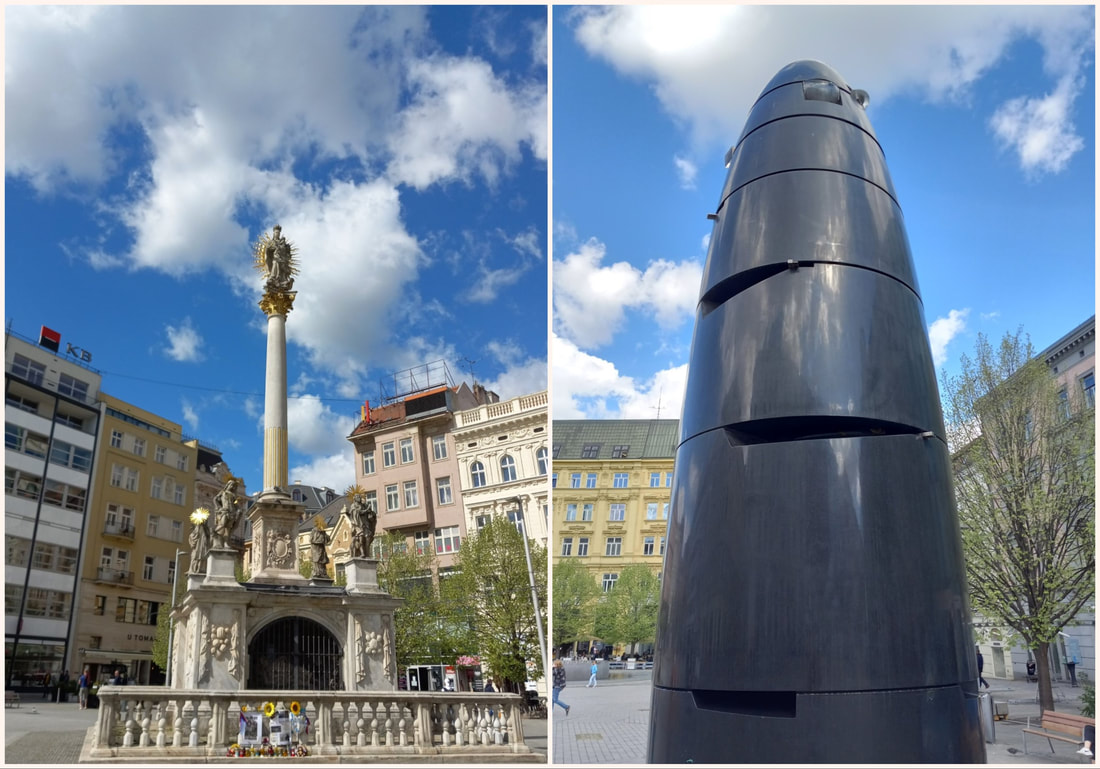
644, 438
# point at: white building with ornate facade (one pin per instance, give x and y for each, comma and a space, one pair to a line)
503, 456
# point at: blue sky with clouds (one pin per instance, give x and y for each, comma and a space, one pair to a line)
986, 116
402, 149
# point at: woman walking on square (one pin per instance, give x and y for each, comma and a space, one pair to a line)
559, 684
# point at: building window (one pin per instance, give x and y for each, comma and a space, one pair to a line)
139, 446
614, 546
647, 546
116, 439
447, 540
582, 547
668, 480
654, 480
412, 497
566, 547
159, 454
156, 490
19, 550
74, 422
541, 456
126, 610
557, 450
1088, 386
147, 568
22, 403
482, 521
621, 480
177, 531
554, 481
421, 540
443, 490
620, 452
181, 462
406, 450
618, 511
575, 481
64, 495
25, 368
609, 581
590, 481
100, 605
67, 455
389, 455
662, 546
19, 439
507, 468
586, 511
664, 510
571, 512
74, 388
118, 472
47, 603
477, 474
131, 482
371, 500
590, 451
439, 446
651, 511
151, 527
393, 499
22, 484
179, 494
171, 571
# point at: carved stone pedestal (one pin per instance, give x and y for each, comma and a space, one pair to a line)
275, 518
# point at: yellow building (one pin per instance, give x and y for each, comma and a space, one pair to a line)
612, 481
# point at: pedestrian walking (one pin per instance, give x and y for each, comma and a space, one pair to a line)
1071, 661
592, 678
981, 664
83, 684
559, 684
46, 686
63, 686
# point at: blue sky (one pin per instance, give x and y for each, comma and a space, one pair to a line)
986, 116
402, 149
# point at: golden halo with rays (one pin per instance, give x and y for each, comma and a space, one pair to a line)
199, 515
319, 522
259, 253
354, 489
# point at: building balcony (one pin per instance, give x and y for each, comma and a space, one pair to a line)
120, 530
114, 576
513, 407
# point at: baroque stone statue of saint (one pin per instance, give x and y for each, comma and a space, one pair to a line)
199, 539
318, 539
364, 521
275, 258
227, 512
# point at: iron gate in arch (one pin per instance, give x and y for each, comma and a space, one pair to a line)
295, 653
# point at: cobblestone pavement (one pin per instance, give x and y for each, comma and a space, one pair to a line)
610, 724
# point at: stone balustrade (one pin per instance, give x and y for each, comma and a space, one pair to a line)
153, 723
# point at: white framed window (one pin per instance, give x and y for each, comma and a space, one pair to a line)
609, 581
571, 511
371, 499
177, 531
116, 439
618, 511
668, 480
181, 462
406, 450
31, 370
447, 540
566, 547
554, 481
412, 496
65, 454
393, 498
74, 388
575, 480
139, 446
179, 494
439, 446
477, 474
654, 480
1088, 387
64, 495
586, 511
647, 546
152, 527
614, 546
590, 481
389, 455
443, 490
507, 468
22, 484
156, 490
582, 547
664, 510
368, 463
19, 439
148, 567
159, 454
131, 483
620, 480
662, 551
541, 457
651, 511
421, 541
482, 521
171, 571
118, 472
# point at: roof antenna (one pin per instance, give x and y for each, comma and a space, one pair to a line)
658, 406
469, 367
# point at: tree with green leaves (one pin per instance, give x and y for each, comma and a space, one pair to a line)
1023, 453
433, 623
575, 597
628, 613
492, 573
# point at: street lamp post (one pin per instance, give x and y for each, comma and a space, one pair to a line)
171, 621
534, 592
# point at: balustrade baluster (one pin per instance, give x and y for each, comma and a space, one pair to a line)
143, 738
162, 724
389, 727
498, 738
128, 738
374, 726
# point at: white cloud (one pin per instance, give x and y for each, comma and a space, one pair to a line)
336, 471
184, 342
1040, 130
190, 416
522, 375
313, 428
943, 330
590, 298
687, 172
938, 52
589, 387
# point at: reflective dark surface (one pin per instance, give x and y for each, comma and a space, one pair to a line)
816, 341
813, 604
806, 215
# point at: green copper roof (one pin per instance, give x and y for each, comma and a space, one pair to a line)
643, 438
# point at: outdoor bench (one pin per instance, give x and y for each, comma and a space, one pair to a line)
1058, 726
11, 699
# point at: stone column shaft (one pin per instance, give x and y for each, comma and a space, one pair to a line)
275, 432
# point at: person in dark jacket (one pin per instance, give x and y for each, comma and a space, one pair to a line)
559, 684
981, 664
